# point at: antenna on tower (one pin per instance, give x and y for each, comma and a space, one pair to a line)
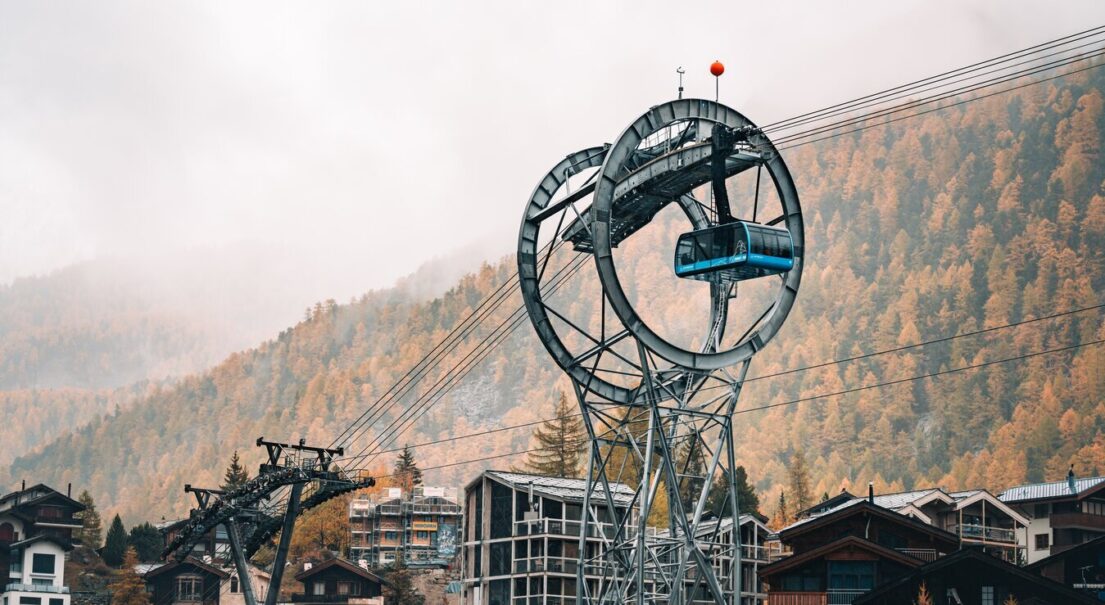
679, 70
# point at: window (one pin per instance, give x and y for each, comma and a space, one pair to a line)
42, 582
502, 502
1042, 541
987, 595
234, 584
345, 588
189, 588
499, 592
1040, 511
852, 575
42, 563
500, 558
57, 601
7, 532
30, 601
318, 588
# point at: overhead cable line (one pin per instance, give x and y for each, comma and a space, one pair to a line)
765, 376
839, 393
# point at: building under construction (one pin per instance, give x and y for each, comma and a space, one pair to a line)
419, 526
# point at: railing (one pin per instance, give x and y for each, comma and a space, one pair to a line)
324, 598
36, 588
559, 527
996, 534
842, 597
546, 564
432, 509
797, 598
927, 555
1060, 520
754, 553
544, 600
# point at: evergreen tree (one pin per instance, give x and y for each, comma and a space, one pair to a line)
561, 443
781, 518
235, 475
400, 589
91, 532
115, 547
407, 472
923, 596
798, 480
747, 500
128, 587
146, 542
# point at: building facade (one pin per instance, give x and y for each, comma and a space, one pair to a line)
849, 550
338, 581
207, 573
37, 526
754, 536
422, 527
521, 538
1061, 514
978, 518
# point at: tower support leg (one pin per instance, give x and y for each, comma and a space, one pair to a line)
245, 582
285, 541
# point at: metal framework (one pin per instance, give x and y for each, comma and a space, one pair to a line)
250, 523
658, 413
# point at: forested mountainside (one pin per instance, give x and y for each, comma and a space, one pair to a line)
977, 216
112, 322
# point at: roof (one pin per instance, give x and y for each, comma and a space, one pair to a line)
824, 505
857, 506
63, 543
853, 541
908, 503
194, 562
563, 488
343, 564
1069, 595
38, 493
1053, 489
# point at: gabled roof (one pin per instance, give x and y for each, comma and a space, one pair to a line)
860, 506
847, 541
910, 503
1069, 595
1051, 490
343, 564
64, 544
36, 494
562, 488
194, 562
824, 505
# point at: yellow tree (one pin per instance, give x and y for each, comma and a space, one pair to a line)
128, 587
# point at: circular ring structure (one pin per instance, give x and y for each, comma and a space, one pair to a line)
617, 183
544, 206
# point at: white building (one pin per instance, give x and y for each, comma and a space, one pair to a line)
1061, 514
36, 530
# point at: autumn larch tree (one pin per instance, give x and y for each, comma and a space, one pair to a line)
407, 474
235, 475
115, 546
91, 532
128, 587
798, 479
560, 443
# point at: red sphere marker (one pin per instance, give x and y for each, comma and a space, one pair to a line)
716, 68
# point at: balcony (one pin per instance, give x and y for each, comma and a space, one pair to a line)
1077, 520
754, 553
830, 597
991, 534
36, 588
546, 564
323, 598
927, 555
559, 527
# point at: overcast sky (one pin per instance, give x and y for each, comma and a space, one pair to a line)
394, 132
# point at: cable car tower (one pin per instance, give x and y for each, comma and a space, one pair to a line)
693, 179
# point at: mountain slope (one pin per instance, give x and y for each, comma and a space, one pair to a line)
972, 217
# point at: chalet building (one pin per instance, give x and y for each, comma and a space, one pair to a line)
338, 581
207, 566
977, 517
36, 532
1079, 567
972, 577
187, 582
1061, 514
422, 527
848, 550
521, 538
